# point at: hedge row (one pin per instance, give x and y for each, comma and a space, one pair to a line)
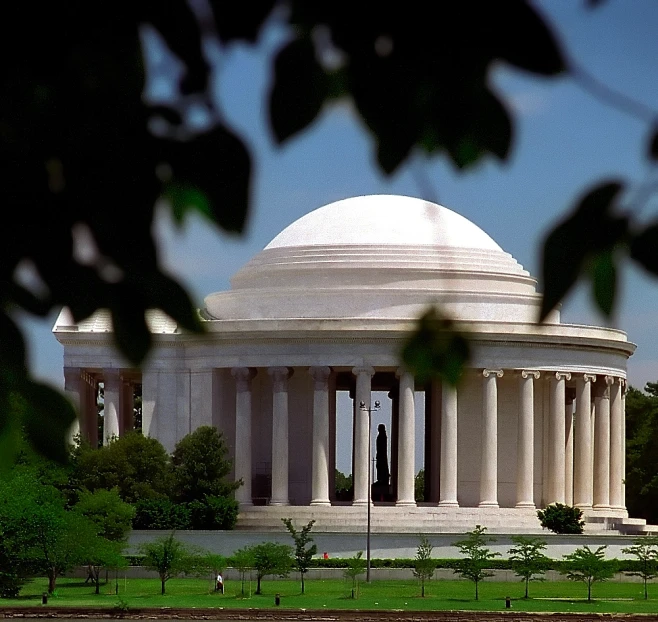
624, 565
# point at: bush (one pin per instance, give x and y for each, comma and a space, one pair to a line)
161, 514
561, 518
213, 513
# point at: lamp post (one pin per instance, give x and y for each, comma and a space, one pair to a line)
369, 410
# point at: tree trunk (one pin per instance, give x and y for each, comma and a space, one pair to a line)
163, 581
476, 591
52, 580
302, 582
258, 585
646, 595
526, 586
589, 591
97, 580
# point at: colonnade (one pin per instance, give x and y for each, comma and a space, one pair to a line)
585, 461
81, 386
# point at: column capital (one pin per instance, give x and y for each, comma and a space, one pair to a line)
400, 371
320, 374
563, 375
243, 376
363, 369
527, 373
492, 372
279, 376
609, 380
589, 378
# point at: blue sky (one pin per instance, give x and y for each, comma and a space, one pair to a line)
565, 140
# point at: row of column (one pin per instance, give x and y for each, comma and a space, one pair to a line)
321, 449
81, 387
575, 474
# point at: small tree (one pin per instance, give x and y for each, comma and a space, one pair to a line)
243, 562
106, 509
356, 566
645, 551
528, 559
424, 565
170, 558
476, 557
560, 518
588, 566
303, 555
271, 558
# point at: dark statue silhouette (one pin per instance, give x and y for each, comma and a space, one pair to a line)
381, 457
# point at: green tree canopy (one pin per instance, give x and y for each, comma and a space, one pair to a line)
589, 567
641, 452
424, 565
200, 466
476, 557
528, 559
304, 549
271, 558
112, 516
170, 557
645, 551
136, 466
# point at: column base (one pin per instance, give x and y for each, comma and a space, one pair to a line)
601, 506
361, 502
448, 503
243, 505
279, 502
583, 506
407, 504
525, 504
320, 502
488, 504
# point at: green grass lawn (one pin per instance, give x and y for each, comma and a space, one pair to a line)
335, 594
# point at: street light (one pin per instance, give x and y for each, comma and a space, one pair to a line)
372, 409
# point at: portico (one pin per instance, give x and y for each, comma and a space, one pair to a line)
537, 418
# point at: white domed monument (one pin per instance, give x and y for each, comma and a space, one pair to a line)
321, 314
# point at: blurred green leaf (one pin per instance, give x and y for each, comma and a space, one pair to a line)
590, 230
436, 348
604, 281
299, 91
216, 165
47, 420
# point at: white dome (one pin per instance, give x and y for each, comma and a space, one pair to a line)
385, 257
384, 220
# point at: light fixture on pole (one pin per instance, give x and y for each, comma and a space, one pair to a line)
370, 410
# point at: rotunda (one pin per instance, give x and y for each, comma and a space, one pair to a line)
323, 310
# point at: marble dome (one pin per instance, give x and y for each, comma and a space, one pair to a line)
384, 257
384, 220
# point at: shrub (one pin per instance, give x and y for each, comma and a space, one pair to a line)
161, 514
213, 513
561, 518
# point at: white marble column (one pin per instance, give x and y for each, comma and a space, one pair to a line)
623, 446
489, 449
406, 440
362, 439
72, 384
448, 472
582, 477
280, 377
111, 404
616, 444
557, 439
602, 446
568, 445
525, 442
243, 376
320, 482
